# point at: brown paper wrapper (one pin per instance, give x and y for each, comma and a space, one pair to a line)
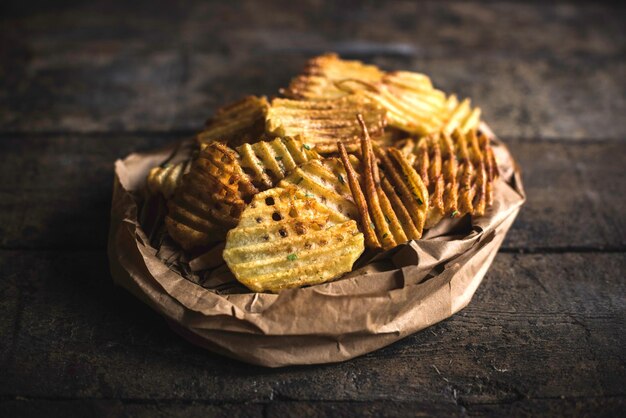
393, 295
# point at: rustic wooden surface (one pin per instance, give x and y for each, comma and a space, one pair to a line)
82, 84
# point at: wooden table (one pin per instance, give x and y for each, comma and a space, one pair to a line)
82, 85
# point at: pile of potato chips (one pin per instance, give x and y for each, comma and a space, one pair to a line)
350, 157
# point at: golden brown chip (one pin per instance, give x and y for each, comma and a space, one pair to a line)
491, 166
459, 170
269, 162
418, 112
418, 193
372, 188
461, 116
166, 179
210, 198
237, 123
220, 182
415, 205
405, 223
367, 226
392, 210
285, 240
326, 181
322, 123
450, 170
429, 165
411, 101
318, 79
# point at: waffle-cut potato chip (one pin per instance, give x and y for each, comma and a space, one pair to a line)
459, 171
236, 123
392, 209
325, 181
285, 240
396, 182
166, 179
461, 116
220, 182
410, 99
365, 220
318, 79
414, 111
389, 138
428, 164
210, 198
323, 122
269, 162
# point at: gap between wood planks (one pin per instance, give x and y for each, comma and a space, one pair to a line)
281, 398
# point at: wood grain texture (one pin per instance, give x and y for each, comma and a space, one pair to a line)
597, 407
113, 408
84, 83
541, 69
60, 196
540, 327
530, 408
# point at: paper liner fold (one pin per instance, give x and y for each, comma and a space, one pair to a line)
398, 293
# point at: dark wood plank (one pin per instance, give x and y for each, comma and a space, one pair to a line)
562, 407
110, 408
56, 191
575, 196
102, 66
540, 326
596, 407
364, 409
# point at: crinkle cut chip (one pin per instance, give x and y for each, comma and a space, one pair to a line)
210, 198
459, 171
166, 179
237, 123
319, 77
268, 162
392, 209
220, 182
411, 101
461, 116
286, 239
323, 122
326, 181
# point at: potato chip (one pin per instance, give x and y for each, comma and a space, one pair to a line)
429, 166
322, 122
365, 220
210, 199
387, 218
166, 179
459, 171
286, 239
415, 202
318, 79
236, 123
326, 181
461, 116
419, 112
411, 101
220, 182
269, 162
